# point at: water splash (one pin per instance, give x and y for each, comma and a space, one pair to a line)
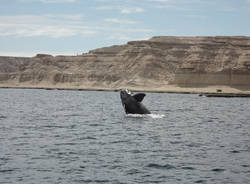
154, 116
136, 115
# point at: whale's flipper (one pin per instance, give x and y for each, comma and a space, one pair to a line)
139, 97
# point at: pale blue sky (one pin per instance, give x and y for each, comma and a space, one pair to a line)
67, 27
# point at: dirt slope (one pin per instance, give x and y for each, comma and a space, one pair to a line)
152, 64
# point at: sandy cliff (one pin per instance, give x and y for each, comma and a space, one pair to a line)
155, 64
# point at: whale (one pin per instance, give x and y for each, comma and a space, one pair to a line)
132, 102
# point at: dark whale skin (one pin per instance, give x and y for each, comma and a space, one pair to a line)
132, 103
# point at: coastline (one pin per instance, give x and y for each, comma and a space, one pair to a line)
209, 91
218, 66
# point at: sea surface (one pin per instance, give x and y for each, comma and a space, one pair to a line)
62, 137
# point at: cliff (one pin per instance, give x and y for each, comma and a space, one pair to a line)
154, 64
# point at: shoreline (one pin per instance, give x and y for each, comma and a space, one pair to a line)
161, 64
208, 91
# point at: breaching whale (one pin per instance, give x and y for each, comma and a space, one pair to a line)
132, 103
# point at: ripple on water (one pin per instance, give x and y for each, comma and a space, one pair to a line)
218, 170
188, 168
133, 172
159, 166
87, 138
7, 170
69, 138
234, 151
176, 142
91, 181
200, 181
3, 117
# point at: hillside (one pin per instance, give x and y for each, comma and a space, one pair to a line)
158, 64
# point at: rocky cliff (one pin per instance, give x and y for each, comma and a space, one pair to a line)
151, 64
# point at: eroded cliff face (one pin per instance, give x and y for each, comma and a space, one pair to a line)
159, 61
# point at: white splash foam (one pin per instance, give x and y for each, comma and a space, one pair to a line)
154, 116
136, 115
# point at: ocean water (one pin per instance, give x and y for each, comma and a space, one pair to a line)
54, 136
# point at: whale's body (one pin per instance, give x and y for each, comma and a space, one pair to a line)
132, 103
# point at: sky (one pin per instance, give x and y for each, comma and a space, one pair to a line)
73, 27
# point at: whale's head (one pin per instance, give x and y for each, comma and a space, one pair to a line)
124, 94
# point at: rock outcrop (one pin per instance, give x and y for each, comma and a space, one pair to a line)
153, 63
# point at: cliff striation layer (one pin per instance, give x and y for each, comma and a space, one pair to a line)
149, 65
